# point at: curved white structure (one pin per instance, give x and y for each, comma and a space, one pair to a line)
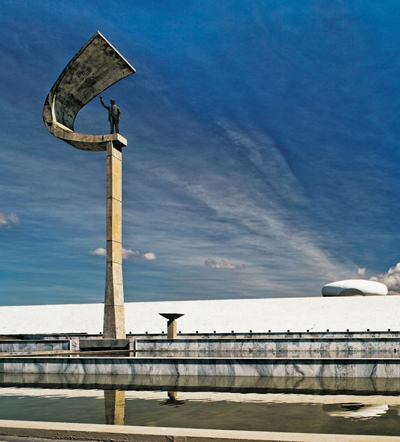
96, 67
354, 287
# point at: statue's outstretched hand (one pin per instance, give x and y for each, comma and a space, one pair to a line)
100, 97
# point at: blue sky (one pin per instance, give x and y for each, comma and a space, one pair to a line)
263, 156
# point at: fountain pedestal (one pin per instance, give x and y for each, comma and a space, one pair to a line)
171, 324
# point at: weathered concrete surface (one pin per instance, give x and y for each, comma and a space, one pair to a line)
101, 344
351, 367
74, 431
283, 347
34, 346
208, 346
97, 66
114, 315
351, 387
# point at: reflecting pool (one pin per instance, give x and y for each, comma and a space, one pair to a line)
348, 406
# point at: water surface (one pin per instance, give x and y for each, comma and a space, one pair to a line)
315, 406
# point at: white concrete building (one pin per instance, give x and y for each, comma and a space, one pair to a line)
376, 313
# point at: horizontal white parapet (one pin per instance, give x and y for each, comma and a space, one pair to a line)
57, 430
354, 287
376, 313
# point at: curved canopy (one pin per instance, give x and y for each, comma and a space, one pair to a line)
97, 66
354, 287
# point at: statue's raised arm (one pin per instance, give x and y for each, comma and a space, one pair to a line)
102, 102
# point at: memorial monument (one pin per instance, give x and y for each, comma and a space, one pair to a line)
96, 67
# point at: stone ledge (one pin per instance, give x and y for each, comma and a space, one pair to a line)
74, 431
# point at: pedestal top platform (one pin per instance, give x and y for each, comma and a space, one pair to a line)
171, 316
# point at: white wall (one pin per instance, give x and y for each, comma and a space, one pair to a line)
377, 313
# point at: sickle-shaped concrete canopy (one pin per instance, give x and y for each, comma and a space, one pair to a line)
97, 66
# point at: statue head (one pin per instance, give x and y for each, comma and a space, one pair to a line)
112, 101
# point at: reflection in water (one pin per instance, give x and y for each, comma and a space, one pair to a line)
355, 410
172, 399
349, 406
114, 404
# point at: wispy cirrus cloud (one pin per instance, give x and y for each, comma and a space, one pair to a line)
126, 254
222, 264
262, 176
7, 219
264, 202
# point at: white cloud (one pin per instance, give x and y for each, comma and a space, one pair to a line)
361, 271
8, 218
222, 264
98, 252
391, 279
126, 254
150, 256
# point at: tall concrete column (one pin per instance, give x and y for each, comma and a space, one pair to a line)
114, 315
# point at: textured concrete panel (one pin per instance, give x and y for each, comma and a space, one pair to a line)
114, 321
114, 220
373, 368
114, 250
114, 184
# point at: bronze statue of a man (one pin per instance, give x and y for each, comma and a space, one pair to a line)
114, 115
